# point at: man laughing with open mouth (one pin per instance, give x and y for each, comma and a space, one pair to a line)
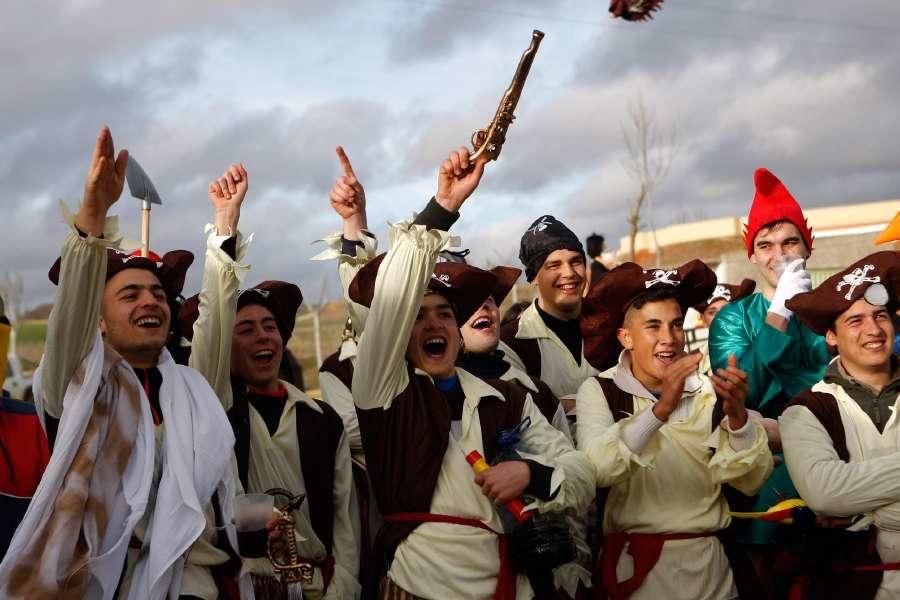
421, 416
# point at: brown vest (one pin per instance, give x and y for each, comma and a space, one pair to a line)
528, 349
621, 404
820, 554
544, 399
405, 447
318, 435
824, 407
342, 369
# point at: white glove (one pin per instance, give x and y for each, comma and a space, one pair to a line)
795, 280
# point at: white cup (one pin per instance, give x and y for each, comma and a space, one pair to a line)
781, 263
253, 511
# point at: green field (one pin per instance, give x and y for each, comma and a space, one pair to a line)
32, 332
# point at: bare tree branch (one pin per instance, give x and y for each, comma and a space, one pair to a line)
649, 157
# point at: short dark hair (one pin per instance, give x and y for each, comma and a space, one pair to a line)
648, 297
594, 244
653, 295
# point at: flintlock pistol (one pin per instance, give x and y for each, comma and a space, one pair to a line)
489, 142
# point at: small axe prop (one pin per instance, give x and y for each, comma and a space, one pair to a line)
142, 188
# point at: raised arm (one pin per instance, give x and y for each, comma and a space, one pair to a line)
380, 372
72, 327
223, 272
354, 245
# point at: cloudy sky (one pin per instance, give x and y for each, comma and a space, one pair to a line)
808, 88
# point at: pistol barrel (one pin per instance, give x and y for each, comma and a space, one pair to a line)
489, 142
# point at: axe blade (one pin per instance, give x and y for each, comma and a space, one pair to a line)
139, 183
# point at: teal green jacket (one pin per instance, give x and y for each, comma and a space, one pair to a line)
779, 365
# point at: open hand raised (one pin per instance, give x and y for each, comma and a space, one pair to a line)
673, 384
103, 185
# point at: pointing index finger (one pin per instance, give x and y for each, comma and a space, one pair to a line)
345, 162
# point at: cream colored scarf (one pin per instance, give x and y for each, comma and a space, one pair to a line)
73, 540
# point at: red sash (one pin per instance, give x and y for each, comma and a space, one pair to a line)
644, 548
506, 578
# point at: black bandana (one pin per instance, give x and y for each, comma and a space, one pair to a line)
543, 237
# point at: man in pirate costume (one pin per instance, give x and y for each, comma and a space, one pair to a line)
482, 357
781, 356
23, 450
420, 416
664, 439
840, 437
709, 308
284, 439
353, 247
545, 341
141, 446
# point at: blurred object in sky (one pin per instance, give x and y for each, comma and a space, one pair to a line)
634, 10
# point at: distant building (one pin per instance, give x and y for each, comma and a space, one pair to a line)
843, 234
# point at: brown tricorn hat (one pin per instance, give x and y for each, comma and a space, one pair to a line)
170, 269
876, 278
281, 298
465, 286
506, 280
604, 308
728, 293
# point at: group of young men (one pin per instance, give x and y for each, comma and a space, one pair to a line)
575, 451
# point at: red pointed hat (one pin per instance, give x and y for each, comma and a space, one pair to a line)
773, 202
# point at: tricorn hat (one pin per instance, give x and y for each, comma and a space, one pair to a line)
465, 286
728, 293
170, 269
281, 298
506, 280
604, 307
876, 278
